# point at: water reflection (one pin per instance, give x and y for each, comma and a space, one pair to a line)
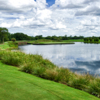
78, 57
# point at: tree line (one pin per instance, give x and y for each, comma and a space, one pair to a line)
91, 39
5, 35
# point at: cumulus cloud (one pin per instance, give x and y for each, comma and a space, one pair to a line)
89, 1
16, 6
70, 17
90, 11
68, 4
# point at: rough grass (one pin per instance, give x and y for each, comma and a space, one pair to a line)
16, 85
36, 65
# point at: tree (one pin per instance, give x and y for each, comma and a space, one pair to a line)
13, 39
38, 37
3, 34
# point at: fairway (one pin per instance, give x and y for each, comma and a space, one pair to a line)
4, 45
16, 85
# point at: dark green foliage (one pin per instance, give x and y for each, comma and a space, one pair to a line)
91, 40
3, 34
13, 39
20, 36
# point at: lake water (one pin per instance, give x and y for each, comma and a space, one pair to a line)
78, 57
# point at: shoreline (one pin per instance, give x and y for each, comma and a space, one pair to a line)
45, 69
50, 43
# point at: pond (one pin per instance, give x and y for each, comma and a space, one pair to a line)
78, 57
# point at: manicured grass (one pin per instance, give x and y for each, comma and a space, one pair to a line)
45, 41
8, 45
74, 40
16, 85
4, 45
52, 43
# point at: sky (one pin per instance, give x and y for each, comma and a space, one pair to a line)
51, 17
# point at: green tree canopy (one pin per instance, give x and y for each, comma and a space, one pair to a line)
3, 34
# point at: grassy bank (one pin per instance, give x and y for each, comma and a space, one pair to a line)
8, 45
36, 65
16, 85
49, 42
40, 41
4, 45
52, 43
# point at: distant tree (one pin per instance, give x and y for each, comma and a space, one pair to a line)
38, 37
64, 37
13, 39
54, 37
20, 36
48, 37
96, 40
59, 38
3, 34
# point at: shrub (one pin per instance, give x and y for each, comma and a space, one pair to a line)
13, 39
94, 88
11, 59
79, 83
27, 68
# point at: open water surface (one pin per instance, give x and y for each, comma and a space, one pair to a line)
78, 57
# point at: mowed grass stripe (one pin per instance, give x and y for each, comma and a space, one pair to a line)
16, 85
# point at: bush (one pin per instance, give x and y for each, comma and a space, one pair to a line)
11, 59
13, 39
27, 68
94, 88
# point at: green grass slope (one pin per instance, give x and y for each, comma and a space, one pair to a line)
16, 85
4, 45
8, 45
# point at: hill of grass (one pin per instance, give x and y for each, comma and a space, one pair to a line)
16, 85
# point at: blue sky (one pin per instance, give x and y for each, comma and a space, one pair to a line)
59, 17
50, 2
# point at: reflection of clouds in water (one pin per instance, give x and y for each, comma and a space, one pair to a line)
92, 67
78, 57
62, 60
90, 57
85, 68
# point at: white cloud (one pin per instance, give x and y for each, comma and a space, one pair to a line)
21, 3
70, 17
5, 25
44, 14
41, 4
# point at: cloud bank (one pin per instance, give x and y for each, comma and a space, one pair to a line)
64, 17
